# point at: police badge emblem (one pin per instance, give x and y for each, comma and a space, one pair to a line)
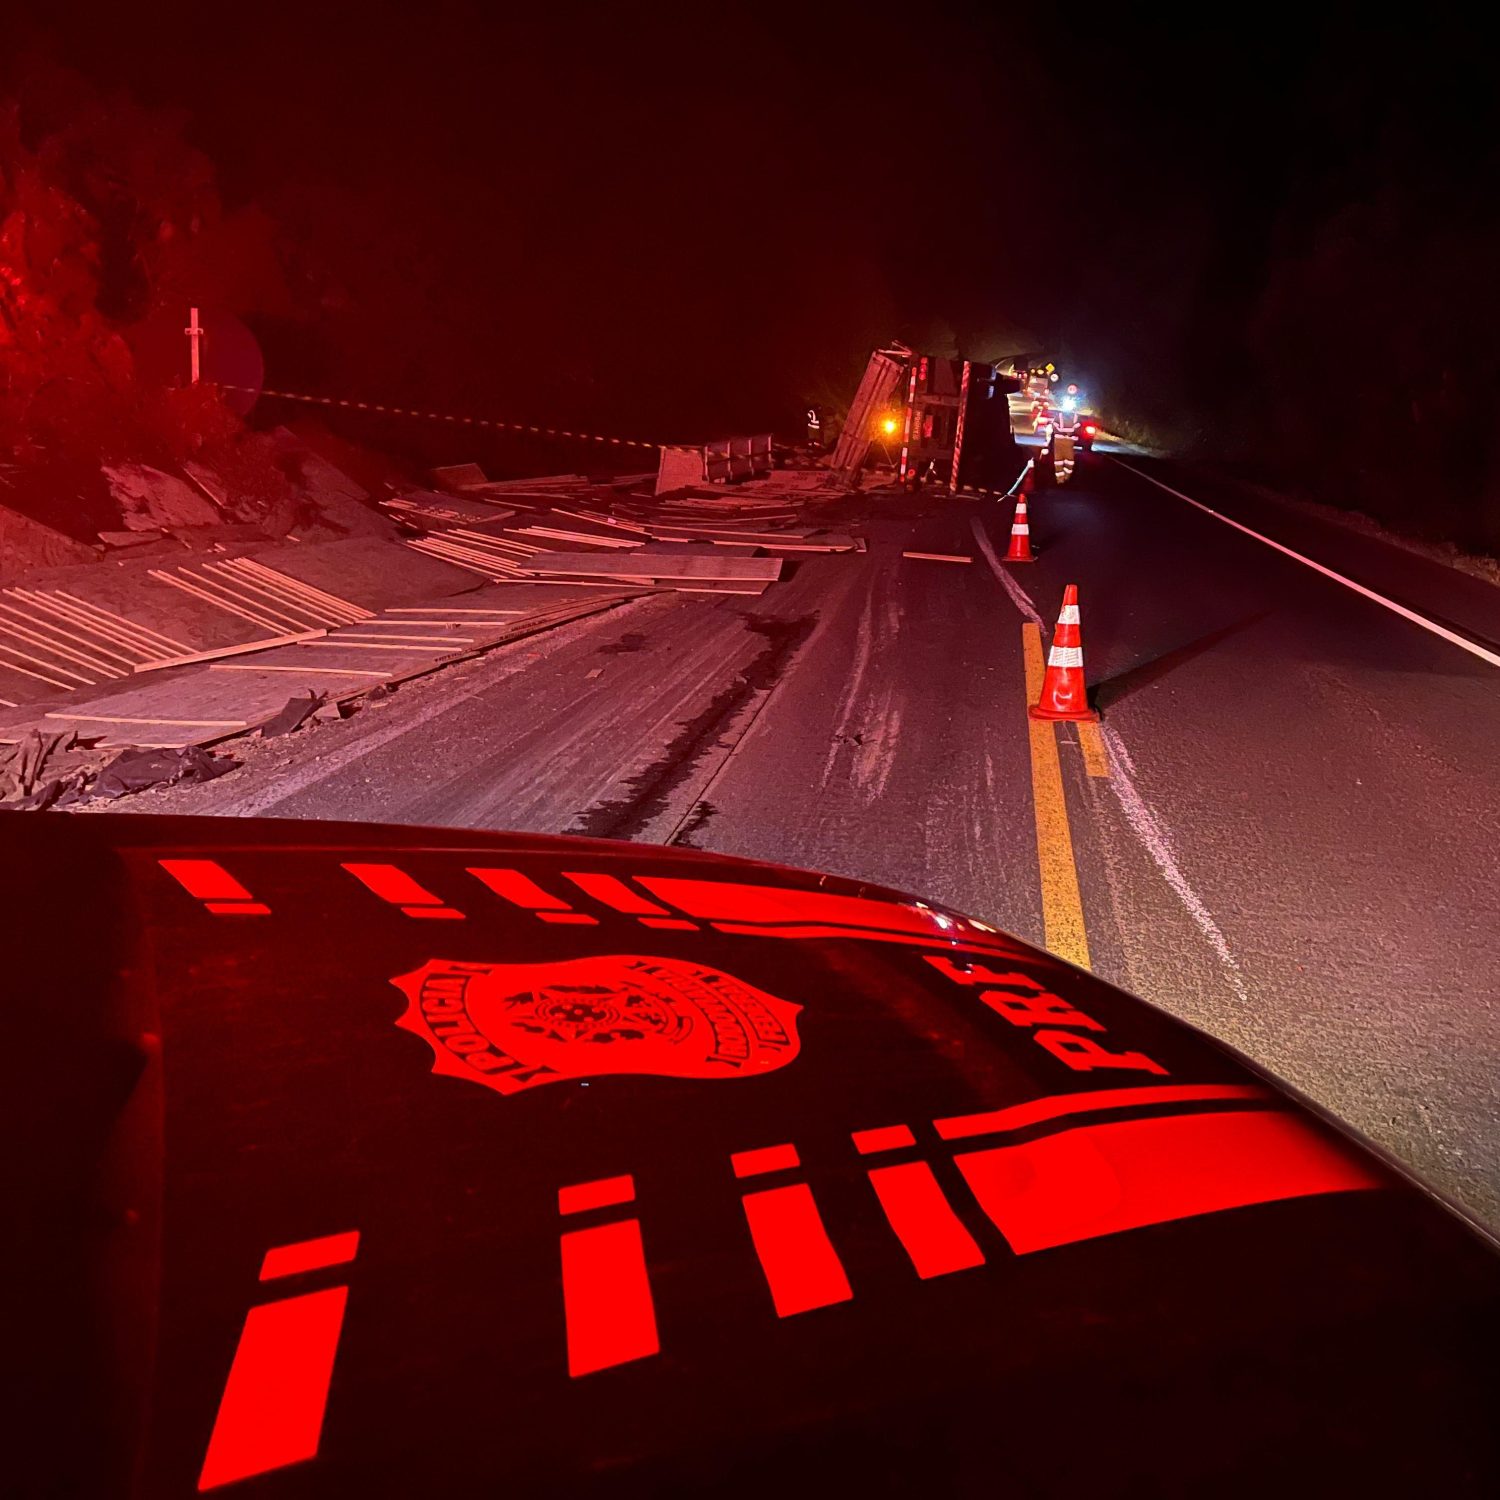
514, 1026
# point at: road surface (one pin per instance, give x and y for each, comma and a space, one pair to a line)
1286, 830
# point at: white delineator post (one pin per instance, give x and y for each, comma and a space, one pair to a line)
194, 332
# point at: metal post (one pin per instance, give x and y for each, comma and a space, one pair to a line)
194, 331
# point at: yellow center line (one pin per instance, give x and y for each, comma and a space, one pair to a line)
1095, 756
1062, 906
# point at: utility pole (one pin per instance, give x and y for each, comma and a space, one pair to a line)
194, 331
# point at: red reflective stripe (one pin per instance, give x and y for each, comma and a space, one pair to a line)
520, 889
238, 908
607, 1297
924, 1221
808, 930
397, 887
764, 1159
801, 1266
793, 913
957, 1127
886, 1138
1101, 1179
309, 1255
205, 879
271, 1413
598, 1194
613, 891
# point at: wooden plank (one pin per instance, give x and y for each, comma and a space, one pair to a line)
336, 642
298, 586
426, 640
938, 557
261, 666
657, 566
275, 599
430, 624
675, 532
182, 723
217, 603
557, 534
611, 522
614, 581
460, 474
240, 650
706, 587
108, 617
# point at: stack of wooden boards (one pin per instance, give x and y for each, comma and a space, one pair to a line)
217, 700
586, 534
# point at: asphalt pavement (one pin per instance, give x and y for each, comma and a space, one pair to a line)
1286, 831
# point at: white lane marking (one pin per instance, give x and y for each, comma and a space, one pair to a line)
1462, 642
1158, 844
1018, 597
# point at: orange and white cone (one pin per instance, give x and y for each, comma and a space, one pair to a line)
1020, 535
1063, 695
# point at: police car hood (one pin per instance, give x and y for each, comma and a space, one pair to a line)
373, 1161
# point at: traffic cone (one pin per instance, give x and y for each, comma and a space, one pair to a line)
1020, 535
1063, 695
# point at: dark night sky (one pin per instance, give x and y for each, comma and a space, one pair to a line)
659, 219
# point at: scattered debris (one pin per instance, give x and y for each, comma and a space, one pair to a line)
300, 707
135, 770
938, 557
460, 476
149, 499
21, 765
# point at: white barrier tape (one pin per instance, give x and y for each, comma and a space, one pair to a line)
438, 416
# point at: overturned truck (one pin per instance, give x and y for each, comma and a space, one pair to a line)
952, 416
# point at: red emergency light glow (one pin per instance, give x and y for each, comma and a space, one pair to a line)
607, 1297
271, 1413
802, 1269
397, 887
215, 887
1095, 1180
520, 890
